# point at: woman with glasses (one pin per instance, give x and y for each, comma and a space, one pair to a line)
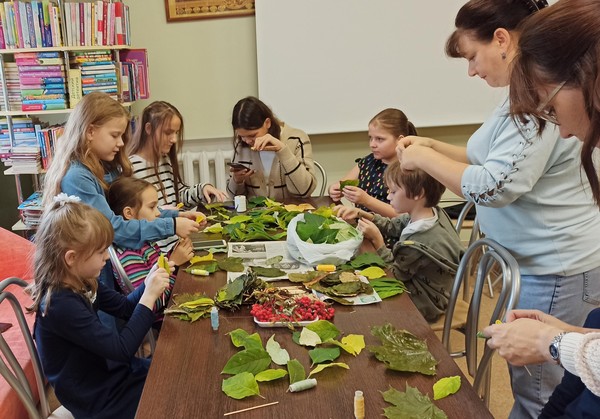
530, 195
271, 158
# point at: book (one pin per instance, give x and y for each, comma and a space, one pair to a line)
139, 57
43, 107
75, 92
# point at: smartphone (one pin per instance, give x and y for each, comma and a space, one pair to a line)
238, 166
207, 244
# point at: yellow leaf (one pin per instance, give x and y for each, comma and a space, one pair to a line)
373, 272
299, 208
163, 263
206, 258
355, 342
321, 367
200, 218
180, 205
215, 229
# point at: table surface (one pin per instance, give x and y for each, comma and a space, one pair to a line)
185, 377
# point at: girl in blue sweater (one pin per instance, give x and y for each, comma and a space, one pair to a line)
91, 367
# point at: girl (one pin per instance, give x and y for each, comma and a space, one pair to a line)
136, 199
278, 158
91, 367
385, 129
528, 188
89, 156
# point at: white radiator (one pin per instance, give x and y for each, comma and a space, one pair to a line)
207, 166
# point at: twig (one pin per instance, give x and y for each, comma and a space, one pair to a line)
250, 408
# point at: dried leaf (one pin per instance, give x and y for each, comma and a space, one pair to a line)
409, 405
272, 261
445, 387
321, 367
267, 272
240, 386
270, 375
231, 264
279, 355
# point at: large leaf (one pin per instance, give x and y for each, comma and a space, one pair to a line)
239, 337
373, 272
270, 375
320, 355
240, 386
445, 387
325, 329
348, 182
410, 405
249, 360
309, 338
367, 259
279, 355
296, 371
402, 351
267, 272
321, 367
231, 264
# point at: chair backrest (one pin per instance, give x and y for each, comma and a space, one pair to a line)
323, 182
10, 368
490, 253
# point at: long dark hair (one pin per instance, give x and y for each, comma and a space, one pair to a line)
250, 113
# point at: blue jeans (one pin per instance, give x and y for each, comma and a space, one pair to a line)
569, 298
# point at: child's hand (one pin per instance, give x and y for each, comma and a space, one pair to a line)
346, 213
156, 283
182, 252
335, 192
184, 227
371, 232
197, 216
356, 195
209, 190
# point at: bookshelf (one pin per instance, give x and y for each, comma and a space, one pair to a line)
52, 53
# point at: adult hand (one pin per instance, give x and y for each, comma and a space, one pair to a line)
410, 157
335, 193
267, 143
209, 190
412, 140
371, 232
346, 213
182, 252
185, 227
240, 175
356, 195
156, 283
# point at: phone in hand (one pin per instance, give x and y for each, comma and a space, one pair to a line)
238, 166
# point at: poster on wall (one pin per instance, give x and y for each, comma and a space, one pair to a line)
182, 10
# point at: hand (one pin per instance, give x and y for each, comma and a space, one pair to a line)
335, 192
407, 142
371, 232
240, 175
522, 341
356, 195
185, 227
409, 157
544, 318
267, 143
346, 213
156, 283
193, 215
209, 190
182, 252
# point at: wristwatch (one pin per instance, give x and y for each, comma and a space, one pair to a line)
554, 347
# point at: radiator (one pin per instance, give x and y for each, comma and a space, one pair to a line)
207, 166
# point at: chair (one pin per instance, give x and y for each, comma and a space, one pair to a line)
507, 300
323, 173
124, 279
12, 371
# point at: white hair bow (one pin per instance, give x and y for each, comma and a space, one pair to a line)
62, 198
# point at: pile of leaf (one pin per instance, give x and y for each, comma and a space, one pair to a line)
190, 307
411, 404
240, 291
321, 228
372, 263
400, 350
335, 285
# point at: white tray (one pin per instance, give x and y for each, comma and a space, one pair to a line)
284, 324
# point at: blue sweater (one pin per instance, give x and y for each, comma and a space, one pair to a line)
90, 366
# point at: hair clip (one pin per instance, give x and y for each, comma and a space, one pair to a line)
63, 198
535, 5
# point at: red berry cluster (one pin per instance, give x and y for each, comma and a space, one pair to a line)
294, 310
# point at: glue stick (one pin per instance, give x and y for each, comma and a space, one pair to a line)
359, 405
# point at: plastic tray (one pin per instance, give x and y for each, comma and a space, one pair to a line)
284, 324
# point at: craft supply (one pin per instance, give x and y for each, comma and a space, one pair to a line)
250, 408
359, 405
326, 268
239, 203
214, 318
302, 385
198, 271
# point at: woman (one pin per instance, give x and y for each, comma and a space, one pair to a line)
274, 159
527, 186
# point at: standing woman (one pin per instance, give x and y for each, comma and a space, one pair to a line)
278, 158
527, 185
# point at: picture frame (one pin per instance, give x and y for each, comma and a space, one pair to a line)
185, 10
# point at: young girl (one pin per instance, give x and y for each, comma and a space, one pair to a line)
427, 248
385, 129
137, 199
89, 156
278, 158
91, 367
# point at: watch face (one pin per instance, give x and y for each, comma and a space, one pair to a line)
554, 351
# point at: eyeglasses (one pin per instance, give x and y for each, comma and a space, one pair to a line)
544, 111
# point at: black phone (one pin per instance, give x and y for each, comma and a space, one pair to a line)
238, 166
207, 244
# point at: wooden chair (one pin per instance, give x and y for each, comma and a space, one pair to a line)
13, 372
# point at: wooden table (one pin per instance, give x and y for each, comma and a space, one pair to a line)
185, 376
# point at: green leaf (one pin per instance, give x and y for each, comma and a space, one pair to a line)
296, 371
402, 351
231, 264
215, 228
367, 259
325, 329
320, 355
270, 375
272, 261
267, 272
309, 338
249, 360
348, 182
239, 337
240, 386
238, 219
279, 355
445, 387
410, 405
321, 367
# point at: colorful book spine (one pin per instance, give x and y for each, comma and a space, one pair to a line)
37, 61
43, 107
30, 68
75, 91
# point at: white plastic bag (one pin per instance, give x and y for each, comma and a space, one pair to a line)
315, 254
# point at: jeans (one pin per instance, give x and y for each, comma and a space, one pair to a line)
569, 298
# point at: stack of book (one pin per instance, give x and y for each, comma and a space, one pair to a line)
31, 210
24, 154
97, 23
96, 72
47, 138
42, 79
133, 68
11, 74
32, 24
